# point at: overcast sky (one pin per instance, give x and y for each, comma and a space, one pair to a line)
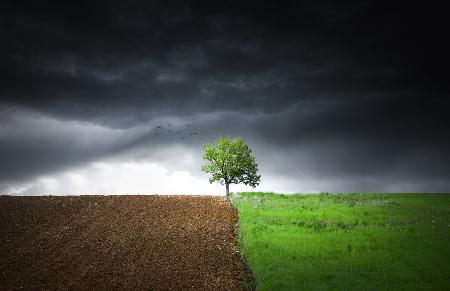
330, 97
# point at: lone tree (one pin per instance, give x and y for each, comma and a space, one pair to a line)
231, 162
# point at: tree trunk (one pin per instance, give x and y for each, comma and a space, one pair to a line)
228, 189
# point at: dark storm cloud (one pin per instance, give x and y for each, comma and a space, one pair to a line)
350, 90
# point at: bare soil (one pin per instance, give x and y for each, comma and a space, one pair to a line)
119, 242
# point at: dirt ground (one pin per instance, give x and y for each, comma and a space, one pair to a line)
119, 242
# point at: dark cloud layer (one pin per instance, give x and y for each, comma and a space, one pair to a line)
348, 92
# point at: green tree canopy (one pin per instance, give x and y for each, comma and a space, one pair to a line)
231, 162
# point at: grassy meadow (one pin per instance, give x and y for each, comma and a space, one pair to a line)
346, 241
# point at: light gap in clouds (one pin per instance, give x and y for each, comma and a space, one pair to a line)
121, 177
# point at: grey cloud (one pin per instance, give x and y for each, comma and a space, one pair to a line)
34, 144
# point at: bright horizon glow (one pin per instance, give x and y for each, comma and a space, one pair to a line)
117, 178
146, 177
131, 177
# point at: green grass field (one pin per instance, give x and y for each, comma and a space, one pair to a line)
346, 241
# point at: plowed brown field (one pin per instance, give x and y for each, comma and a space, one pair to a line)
119, 242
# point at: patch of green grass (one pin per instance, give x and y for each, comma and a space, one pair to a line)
346, 241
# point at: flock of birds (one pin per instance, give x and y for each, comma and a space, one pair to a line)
182, 133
